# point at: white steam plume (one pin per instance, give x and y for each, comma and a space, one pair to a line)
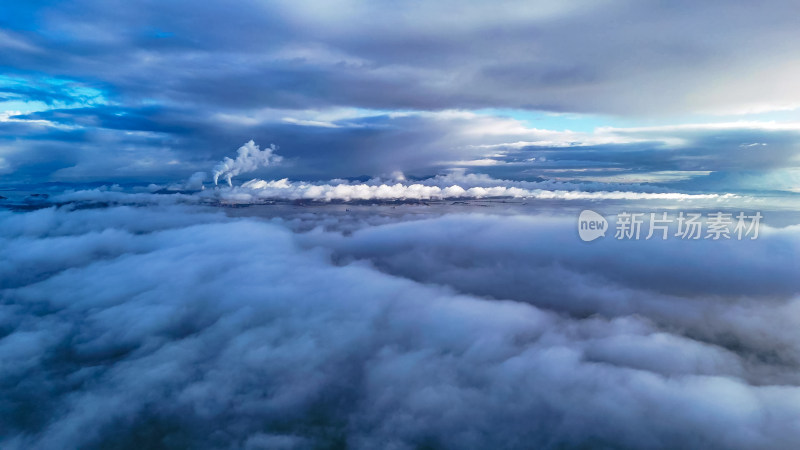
249, 158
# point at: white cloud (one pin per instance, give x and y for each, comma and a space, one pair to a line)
310, 123
256, 190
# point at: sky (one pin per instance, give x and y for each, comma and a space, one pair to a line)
358, 225
602, 90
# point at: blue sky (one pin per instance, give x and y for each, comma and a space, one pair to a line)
150, 91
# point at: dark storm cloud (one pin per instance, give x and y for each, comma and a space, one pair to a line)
156, 143
175, 327
579, 56
740, 157
150, 137
170, 72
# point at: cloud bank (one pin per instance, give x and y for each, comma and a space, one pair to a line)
470, 187
176, 326
283, 189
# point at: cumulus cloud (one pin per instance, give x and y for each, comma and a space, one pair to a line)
454, 185
193, 329
539, 260
284, 189
261, 191
249, 158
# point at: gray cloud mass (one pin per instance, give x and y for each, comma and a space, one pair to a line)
151, 90
580, 56
187, 328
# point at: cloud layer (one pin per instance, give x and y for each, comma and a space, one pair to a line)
185, 327
581, 57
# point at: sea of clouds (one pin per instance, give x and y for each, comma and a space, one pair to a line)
173, 325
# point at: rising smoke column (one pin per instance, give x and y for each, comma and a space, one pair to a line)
249, 158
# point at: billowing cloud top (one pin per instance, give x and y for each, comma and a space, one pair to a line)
180, 327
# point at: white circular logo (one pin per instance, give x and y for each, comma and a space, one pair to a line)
591, 225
